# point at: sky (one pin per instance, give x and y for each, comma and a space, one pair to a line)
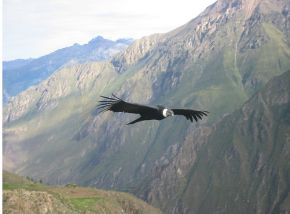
33, 28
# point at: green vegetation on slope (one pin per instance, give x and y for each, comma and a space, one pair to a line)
53, 132
244, 167
21, 195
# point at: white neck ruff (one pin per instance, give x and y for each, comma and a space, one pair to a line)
164, 112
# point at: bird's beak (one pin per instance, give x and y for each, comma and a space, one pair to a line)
170, 113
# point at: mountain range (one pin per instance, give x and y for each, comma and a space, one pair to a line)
232, 60
20, 74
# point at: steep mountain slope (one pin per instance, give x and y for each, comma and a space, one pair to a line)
18, 75
21, 195
215, 62
239, 165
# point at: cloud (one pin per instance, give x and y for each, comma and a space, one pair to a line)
35, 27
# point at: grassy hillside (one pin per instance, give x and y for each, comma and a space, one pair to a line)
215, 62
21, 195
244, 166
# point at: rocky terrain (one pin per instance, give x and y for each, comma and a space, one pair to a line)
244, 158
22, 195
221, 61
19, 75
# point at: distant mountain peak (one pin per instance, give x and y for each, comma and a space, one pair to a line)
125, 40
100, 39
216, 61
97, 39
20, 74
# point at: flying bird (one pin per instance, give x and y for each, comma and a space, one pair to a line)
159, 112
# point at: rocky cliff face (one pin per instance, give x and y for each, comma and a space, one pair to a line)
47, 96
19, 75
216, 62
238, 165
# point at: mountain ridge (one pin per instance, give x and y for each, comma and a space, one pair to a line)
18, 75
216, 62
228, 157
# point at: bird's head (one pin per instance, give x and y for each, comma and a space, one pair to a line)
167, 112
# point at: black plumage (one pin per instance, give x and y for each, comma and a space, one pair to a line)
116, 104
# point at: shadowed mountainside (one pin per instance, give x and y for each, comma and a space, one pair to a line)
238, 165
215, 62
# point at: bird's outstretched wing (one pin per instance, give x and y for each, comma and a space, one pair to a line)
190, 114
116, 104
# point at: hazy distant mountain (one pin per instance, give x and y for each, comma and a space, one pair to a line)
216, 62
18, 75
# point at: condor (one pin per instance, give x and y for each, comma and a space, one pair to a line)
116, 104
